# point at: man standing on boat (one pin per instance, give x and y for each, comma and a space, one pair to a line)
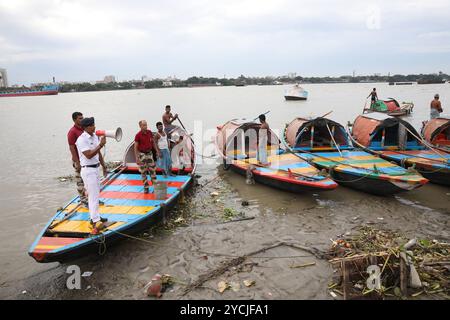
167, 119
374, 97
89, 147
262, 143
435, 107
162, 144
72, 137
144, 146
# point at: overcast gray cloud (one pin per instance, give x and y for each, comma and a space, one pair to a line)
85, 40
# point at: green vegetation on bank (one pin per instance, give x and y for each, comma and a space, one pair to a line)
243, 80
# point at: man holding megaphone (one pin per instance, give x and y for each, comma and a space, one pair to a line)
89, 146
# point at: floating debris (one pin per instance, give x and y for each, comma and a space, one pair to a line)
405, 266
223, 285
249, 283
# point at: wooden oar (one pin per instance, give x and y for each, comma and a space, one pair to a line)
263, 114
187, 132
69, 214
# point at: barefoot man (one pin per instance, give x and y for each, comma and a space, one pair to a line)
167, 119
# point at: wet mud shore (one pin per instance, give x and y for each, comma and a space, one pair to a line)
222, 219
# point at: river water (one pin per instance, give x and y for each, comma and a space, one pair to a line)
35, 153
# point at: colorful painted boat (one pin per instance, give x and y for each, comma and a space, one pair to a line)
45, 91
391, 107
296, 93
325, 144
237, 141
396, 140
128, 210
437, 133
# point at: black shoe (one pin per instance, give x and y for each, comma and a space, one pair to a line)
145, 190
101, 220
101, 203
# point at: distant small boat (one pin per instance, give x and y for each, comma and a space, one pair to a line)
45, 91
400, 83
326, 144
437, 133
237, 142
396, 140
391, 107
296, 93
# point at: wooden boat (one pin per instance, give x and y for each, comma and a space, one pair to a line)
129, 211
237, 142
391, 107
437, 133
296, 93
325, 143
396, 140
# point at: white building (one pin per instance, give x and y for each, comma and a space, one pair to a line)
3, 78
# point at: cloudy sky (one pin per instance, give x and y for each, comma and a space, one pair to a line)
84, 40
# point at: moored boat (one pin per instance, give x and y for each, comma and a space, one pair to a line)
437, 133
237, 142
45, 91
325, 143
296, 93
391, 107
129, 211
396, 140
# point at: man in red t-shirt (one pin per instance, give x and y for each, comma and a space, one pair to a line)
72, 137
144, 146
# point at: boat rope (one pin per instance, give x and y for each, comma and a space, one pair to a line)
334, 141
328, 159
349, 181
425, 143
201, 251
101, 240
402, 161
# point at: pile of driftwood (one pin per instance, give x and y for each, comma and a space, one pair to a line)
376, 264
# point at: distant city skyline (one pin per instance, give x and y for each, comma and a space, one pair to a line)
86, 40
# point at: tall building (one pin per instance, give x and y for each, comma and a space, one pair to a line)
3, 78
109, 79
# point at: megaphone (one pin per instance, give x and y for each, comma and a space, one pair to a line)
116, 134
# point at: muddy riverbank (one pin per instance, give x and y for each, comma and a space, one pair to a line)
199, 237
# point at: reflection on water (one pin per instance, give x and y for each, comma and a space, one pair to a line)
35, 152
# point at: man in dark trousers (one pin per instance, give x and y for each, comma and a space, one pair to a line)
72, 137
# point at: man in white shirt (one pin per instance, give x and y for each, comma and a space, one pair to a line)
89, 147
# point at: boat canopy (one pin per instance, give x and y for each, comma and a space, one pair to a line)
316, 134
379, 132
388, 105
242, 137
437, 131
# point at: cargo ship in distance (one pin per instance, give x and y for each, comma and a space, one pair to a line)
44, 91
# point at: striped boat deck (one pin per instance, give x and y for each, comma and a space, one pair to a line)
280, 165
421, 158
125, 203
363, 164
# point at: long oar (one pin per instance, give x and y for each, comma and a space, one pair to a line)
263, 114
182, 125
287, 171
69, 214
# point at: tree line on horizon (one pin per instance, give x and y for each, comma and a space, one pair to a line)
243, 80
